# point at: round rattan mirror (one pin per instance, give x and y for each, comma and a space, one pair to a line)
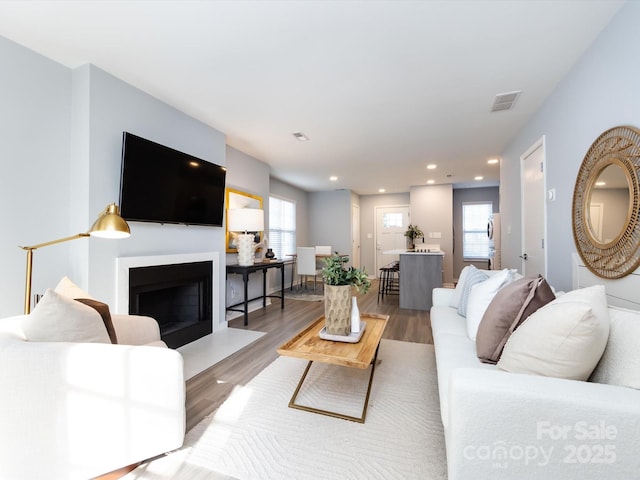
606, 200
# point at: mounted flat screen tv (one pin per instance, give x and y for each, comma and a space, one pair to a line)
162, 185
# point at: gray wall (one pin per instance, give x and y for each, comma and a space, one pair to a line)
61, 166
250, 175
114, 106
329, 220
460, 196
35, 188
432, 210
600, 92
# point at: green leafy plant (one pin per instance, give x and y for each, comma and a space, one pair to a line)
413, 232
334, 273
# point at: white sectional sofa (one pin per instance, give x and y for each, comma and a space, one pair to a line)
503, 425
76, 410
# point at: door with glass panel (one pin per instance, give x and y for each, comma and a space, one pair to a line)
391, 223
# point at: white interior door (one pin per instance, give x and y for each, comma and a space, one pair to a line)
391, 223
355, 235
533, 255
596, 211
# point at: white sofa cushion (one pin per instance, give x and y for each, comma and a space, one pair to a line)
453, 352
480, 297
564, 339
57, 318
620, 362
69, 289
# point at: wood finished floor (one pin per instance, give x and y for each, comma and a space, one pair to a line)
209, 389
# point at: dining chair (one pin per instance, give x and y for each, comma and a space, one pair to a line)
323, 249
306, 264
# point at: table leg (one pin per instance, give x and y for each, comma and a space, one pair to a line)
264, 288
245, 279
282, 290
329, 413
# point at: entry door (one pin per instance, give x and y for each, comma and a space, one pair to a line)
391, 223
534, 241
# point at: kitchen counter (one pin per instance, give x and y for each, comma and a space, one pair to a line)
411, 252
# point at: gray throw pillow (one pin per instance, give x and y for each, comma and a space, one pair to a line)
509, 308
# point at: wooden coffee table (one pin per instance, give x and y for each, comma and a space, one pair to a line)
308, 345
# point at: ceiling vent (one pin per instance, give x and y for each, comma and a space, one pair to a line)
300, 136
505, 101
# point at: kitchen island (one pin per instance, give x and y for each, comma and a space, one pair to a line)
420, 273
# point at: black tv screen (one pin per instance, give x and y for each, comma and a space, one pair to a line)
160, 184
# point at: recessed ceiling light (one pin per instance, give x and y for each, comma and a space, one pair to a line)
333, 178
431, 182
431, 166
600, 184
492, 161
381, 190
300, 136
478, 177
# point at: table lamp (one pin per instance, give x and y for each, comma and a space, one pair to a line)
108, 225
245, 220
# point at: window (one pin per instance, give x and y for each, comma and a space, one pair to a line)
475, 242
390, 220
282, 226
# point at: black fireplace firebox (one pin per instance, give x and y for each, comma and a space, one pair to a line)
178, 296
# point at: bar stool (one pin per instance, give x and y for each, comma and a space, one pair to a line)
389, 280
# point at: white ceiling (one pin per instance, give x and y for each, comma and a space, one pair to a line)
381, 88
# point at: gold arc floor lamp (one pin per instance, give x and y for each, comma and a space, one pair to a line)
108, 225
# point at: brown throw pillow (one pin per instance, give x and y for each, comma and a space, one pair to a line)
103, 310
508, 309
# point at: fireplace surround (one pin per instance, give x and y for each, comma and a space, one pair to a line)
179, 291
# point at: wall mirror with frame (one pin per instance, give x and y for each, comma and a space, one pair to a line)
606, 199
238, 199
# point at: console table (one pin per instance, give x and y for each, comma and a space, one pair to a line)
245, 271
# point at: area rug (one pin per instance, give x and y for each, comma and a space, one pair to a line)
308, 295
254, 435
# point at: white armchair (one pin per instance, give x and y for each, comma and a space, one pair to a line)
79, 410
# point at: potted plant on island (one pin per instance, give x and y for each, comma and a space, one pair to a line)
337, 293
413, 232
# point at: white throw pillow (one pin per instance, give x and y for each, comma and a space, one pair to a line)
70, 290
620, 362
474, 277
480, 297
457, 292
57, 318
562, 339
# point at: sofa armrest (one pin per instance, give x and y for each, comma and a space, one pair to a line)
441, 296
504, 426
78, 410
135, 329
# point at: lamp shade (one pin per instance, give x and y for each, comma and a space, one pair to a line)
110, 224
245, 220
